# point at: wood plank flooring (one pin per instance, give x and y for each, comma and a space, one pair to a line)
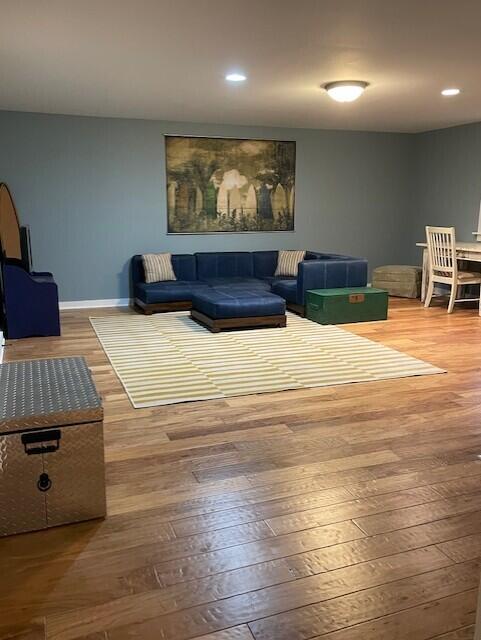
340, 513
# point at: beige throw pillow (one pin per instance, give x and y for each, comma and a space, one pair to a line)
158, 267
288, 262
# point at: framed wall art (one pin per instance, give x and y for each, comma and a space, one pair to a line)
229, 185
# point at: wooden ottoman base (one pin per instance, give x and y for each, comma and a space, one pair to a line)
218, 324
161, 307
300, 309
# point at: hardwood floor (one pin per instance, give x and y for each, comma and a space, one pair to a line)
341, 513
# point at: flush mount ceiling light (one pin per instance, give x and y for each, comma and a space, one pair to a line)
235, 77
345, 90
450, 92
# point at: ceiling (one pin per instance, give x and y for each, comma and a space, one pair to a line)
166, 59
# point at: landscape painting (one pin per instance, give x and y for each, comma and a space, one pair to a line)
228, 185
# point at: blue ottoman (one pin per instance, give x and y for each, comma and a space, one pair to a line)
224, 308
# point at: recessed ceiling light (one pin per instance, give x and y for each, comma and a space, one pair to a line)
450, 92
345, 90
235, 77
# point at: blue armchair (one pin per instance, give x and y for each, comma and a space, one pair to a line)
30, 302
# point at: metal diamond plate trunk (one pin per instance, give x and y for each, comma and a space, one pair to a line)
51, 445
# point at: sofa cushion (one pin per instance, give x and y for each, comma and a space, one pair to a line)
224, 265
288, 263
228, 303
239, 283
169, 291
184, 266
265, 263
158, 267
287, 289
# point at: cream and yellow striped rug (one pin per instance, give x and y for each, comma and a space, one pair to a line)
168, 358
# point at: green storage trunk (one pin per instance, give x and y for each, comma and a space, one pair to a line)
338, 306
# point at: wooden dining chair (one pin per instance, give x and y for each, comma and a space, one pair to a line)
443, 266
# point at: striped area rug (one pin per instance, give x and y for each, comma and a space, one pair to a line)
169, 358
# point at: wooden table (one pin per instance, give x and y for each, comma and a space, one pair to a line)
464, 251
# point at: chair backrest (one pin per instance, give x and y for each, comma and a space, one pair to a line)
441, 243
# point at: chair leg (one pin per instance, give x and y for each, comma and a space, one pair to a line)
452, 298
429, 294
425, 276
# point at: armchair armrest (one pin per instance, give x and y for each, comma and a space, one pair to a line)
17, 280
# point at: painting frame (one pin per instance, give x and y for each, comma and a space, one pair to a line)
285, 220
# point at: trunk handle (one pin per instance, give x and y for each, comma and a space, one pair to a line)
37, 437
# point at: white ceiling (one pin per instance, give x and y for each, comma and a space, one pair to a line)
166, 59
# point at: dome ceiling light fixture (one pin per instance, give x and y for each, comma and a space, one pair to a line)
345, 90
451, 92
235, 77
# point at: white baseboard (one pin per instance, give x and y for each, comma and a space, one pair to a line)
94, 304
2, 345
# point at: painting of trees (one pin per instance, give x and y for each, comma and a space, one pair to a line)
229, 185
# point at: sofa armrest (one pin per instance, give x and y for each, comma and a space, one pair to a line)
330, 274
137, 273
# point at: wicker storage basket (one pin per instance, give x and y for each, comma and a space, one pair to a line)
403, 281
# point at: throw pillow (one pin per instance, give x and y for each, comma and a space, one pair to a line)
288, 262
158, 267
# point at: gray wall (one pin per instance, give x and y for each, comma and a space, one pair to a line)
447, 182
92, 191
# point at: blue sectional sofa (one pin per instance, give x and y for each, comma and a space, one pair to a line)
244, 270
